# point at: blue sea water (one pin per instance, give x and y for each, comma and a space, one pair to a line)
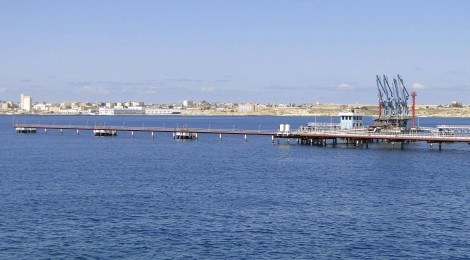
69, 196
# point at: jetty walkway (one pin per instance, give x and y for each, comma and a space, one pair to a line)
359, 137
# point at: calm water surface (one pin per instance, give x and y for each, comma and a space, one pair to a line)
69, 196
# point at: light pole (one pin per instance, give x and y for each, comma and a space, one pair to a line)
316, 124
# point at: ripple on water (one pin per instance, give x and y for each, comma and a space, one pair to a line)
84, 197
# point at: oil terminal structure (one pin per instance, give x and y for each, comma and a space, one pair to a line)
390, 126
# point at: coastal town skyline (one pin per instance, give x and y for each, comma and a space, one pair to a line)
246, 52
27, 105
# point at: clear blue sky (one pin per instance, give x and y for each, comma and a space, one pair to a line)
232, 51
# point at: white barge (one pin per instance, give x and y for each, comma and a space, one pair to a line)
104, 132
25, 130
184, 135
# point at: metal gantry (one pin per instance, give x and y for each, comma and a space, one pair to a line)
393, 102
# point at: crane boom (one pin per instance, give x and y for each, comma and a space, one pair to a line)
393, 101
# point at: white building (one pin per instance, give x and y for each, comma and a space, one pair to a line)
26, 102
246, 108
69, 111
351, 119
188, 103
106, 111
119, 105
159, 111
124, 111
136, 104
41, 107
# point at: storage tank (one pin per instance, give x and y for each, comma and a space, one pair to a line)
281, 128
287, 128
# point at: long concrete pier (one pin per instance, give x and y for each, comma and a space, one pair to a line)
148, 129
321, 137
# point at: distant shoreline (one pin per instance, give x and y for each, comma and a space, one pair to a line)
334, 110
314, 110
